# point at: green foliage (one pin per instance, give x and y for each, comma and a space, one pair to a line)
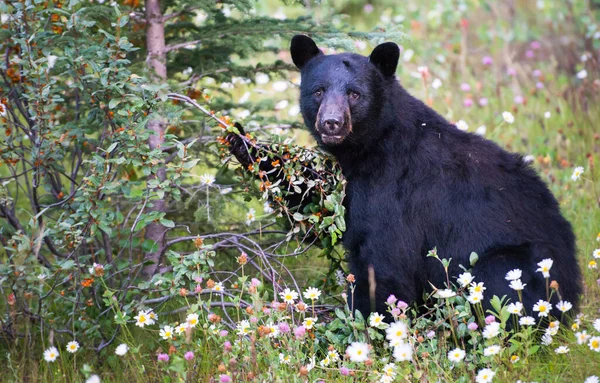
80, 186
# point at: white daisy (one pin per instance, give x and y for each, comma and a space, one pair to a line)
358, 352
243, 328
545, 266
192, 320
288, 296
141, 319
285, 359
542, 307
564, 306
398, 331
207, 179
166, 332
312, 293
491, 330
309, 322
491, 350
582, 337
515, 308
517, 285
513, 275
456, 355
376, 320
508, 117
121, 349
180, 329
484, 375
50, 354
403, 352
475, 298
477, 288
462, 125
250, 216
464, 279
527, 321
561, 350
72, 346
594, 343
577, 172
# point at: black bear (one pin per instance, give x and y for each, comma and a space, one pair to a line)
416, 182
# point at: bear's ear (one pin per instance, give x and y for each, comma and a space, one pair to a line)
385, 57
303, 50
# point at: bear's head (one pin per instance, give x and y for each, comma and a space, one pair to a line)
342, 95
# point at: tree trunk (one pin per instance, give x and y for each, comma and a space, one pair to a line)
157, 63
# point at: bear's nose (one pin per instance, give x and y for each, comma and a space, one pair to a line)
332, 125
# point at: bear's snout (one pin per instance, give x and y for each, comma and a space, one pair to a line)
333, 122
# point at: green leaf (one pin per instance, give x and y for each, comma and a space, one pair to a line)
113, 103
167, 222
473, 258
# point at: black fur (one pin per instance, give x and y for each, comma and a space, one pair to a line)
416, 182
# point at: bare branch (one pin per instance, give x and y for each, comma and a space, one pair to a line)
174, 47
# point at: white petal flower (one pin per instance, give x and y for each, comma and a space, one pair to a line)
545, 266
72, 346
312, 293
508, 117
527, 321
542, 308
515, 308
484, 375
491, 350
582, 337
513, 275
50, 354
517, 285
462, 125
403, 352
464, 279
309, 322
436, 84
577, 172
398, 331
288, 296
456, 355
141, 319
121, 349
564, 306
358, 352
491, 330
207, 179
192, 319
166, 333
376, 320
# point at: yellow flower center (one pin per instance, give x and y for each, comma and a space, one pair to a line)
542, 308
142, 319
359, 352
399, 333
595, 344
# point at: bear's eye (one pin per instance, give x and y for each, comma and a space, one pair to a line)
353, 95
319, 92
